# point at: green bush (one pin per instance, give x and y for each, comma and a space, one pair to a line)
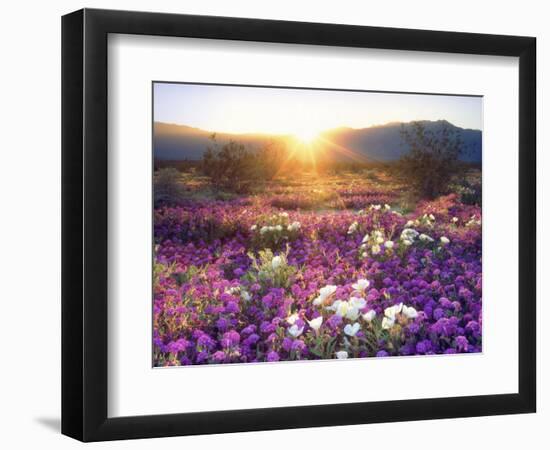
167, 189
469, 192
230, 166
233, 167
433, 159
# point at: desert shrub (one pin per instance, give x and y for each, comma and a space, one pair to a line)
230, 166
234, 167
270, 158
167, 189
433, 159
469, 192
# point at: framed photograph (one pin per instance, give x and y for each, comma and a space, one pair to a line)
273, 224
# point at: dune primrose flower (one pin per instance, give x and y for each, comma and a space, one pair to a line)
316, 323
324, 293
353, 228
295, 330
387, 323
276, 262
361, 285
370, 315
351, 330
409, 312
342, 354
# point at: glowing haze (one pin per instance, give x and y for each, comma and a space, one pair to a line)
302, 112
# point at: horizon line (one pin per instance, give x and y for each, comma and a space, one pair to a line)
282, 134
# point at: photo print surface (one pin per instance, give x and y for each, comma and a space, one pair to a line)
295, 224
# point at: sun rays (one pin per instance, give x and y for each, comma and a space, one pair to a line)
314, 147
307, 134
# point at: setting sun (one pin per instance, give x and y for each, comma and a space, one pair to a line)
306, 135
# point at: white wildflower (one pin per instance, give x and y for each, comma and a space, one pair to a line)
351, 330
276, 262
425, 238
316, 323
342, 354
409, 233
352, 313
388, 244
328, 290
387, 323
295, 330
353, 228
391, 311
324, 293
294, 226
357, 302
340, 307
409, 312
377, 234
370, 315
292, 318
361, 285
444, 240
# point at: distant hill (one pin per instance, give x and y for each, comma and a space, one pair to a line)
377, 143
180, 142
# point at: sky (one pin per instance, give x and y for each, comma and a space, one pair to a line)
302, 112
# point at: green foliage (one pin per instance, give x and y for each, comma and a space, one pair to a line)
160, 270
273, 231
236, 168
270, 270
323, 345
469, 192
190, 273
271, 157
433, 160
167, 187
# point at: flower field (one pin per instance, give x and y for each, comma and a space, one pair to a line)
315, 269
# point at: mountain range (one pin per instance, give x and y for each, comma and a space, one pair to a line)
380, 143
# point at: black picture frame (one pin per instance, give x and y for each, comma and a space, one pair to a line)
84, 224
